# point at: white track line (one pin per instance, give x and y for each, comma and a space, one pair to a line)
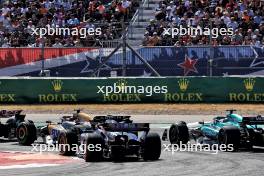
27, 166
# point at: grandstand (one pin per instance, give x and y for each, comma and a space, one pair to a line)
18, 19
245, 17
147, 25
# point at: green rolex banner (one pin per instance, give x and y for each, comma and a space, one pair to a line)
132, 90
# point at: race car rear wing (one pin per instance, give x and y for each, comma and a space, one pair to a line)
257, 120
7, 114
102, 119
126, 127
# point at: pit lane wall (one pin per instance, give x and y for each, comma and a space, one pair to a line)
25, 90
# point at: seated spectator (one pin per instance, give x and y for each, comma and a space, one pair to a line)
232, 24
68, 43
101, 8
153, 27
77, 43
146, 39
154, 40
237, 38
18, 19
73, 21
57, 43
6, 43
245, 18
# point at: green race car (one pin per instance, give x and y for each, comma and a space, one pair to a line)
232, 129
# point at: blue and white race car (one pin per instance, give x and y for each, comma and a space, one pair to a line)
102, 137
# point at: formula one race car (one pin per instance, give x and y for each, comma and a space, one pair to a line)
17, 127
103, 137
241, 132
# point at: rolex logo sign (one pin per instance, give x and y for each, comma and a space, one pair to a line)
6, 98
183, 84
59, 95
249, 84
121, 84
57, 85
248, 93
183, 93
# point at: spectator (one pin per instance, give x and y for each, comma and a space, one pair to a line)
154, 40
57, 43
232, 24
18, 19
77, 43
146, 39
73, 21
244, 17
237, 39
101, 8
5, 44
153, 27
226, 18
126, 6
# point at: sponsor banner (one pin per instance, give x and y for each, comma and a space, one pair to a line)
17, 56
132, 90
167, 61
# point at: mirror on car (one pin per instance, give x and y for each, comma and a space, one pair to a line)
202, 123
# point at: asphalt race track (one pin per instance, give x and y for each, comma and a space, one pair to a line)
179, 163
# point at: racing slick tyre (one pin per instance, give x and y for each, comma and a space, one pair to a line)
67, 141
26, 133
229, 135
152, 147
4, 130
179, 133
94, 148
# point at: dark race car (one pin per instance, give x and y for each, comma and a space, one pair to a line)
234, 129
17, 127
99, 137
119, 137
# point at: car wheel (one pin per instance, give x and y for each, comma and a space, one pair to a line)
229, 135
4, 130
67, 141
152, 147
26, 133
94, 148
179, 133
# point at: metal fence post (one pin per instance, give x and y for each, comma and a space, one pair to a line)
211, 48
124, 48
148, 4
42, 56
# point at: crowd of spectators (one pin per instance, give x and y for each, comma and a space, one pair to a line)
19, 18
245, 17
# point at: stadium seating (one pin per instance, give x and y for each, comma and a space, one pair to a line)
18, 19
245, 17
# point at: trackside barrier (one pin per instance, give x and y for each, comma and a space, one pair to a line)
25, 90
